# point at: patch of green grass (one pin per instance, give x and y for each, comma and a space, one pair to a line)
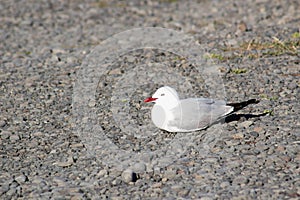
270, 112
215, 56
22, 53
296, 35
256, 49
273, 98
179, 58
27, 53
101, 4
106, 3
264, 96
238, 71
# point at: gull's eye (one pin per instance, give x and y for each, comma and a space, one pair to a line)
162, 94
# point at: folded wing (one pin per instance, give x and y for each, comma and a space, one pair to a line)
198, 113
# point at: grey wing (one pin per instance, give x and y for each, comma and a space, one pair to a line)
193, 114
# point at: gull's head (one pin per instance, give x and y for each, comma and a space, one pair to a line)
165, 96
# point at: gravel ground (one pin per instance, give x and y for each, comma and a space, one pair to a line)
44, 154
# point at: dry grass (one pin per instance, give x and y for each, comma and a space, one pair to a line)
256, 49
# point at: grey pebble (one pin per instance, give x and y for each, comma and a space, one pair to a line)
4, 188
183, 192
11, 192
38, 180
130, 59
176, 188
170, 174
21, 178
254, 134
139, 167
129, 176
5, 134
225, 184
2, 123
102, 173
277, 71
14, 137
240, 180
118, 181
245, 124
37, 134
60, 181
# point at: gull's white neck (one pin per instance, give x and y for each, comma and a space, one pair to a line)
162, 114
168, 104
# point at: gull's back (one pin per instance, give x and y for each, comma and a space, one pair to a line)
198, 113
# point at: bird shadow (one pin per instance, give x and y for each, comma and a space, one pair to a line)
237, 117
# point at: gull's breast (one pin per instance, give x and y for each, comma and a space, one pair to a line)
159, 116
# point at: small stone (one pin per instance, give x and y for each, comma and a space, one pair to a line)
92, 103
77, 196
59, 181
4, 188
170, 174
254, 134
37, 134
246, 124
76, 145
116, 71
297, 157
102, 173
117, 181
225, 184
241, 197
198, 177
238, 136
68, 163
206, 198
232, 142
232, 42
115, 172
240, 180
130, 59
72, 59
292, 86
139, 167
183, 192
129, 176
21, 179
157, 170
280, 148
116, 198
5, 135
210, 160
242, 27
157, 185
277, 71
2, 123
58, 51
176, 188
14, 138
37, 180
11, 191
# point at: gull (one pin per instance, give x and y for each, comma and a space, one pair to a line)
174, 115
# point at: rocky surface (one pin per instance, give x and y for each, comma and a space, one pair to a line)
251, 156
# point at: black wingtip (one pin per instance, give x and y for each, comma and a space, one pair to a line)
240, 105
253, 101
